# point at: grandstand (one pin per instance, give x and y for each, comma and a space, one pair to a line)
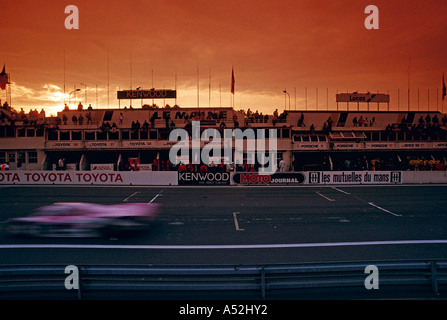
96, 139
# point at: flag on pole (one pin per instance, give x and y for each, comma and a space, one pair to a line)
444, 89
3, 79
232, 81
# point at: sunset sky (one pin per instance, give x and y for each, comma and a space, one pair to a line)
273, 45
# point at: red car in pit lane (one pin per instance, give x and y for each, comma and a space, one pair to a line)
84, 220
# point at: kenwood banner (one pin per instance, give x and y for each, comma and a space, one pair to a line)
147, 94
202, 178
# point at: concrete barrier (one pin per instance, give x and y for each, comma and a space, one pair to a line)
166, 178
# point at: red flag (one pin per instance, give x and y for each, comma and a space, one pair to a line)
232, 81
3, 79
444, 89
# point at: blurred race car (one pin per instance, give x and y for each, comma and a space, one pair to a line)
70, 219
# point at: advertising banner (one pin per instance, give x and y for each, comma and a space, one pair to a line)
208, 178
380, 145
347, 146
64, 144
102, 166
138, 144
355, 177
362, 97
254, 178
102, 144
414, 145
147, 94
307, 146
88, 178
439, 145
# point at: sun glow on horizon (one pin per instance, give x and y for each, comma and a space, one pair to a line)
52, 99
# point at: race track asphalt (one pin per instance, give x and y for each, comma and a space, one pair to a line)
244, 225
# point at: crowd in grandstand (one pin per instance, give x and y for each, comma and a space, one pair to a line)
422, 164
362, 162
424, 125
363, 122
11, 116
213, 167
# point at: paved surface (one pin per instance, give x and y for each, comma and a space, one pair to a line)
244, 225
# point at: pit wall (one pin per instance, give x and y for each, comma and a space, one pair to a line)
173, 178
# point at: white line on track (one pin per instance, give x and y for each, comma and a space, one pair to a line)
236, 223
219, 247
339, 190
156, 196
127, 199
387, 211
329, 199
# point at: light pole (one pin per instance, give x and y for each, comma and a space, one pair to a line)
141, 98
69, 96
285, 106
85, 88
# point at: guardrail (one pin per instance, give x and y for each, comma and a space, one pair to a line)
343, 280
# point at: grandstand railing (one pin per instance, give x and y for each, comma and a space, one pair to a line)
412, 278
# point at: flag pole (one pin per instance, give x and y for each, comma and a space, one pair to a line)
232, 83
409, 74
175, 86
3, 74
198, 89
6, 88
130, 67
64, 78
444, 89
108, 80
153, 87
10, 94
209, 90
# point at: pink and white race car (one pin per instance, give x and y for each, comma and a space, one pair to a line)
70, 219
